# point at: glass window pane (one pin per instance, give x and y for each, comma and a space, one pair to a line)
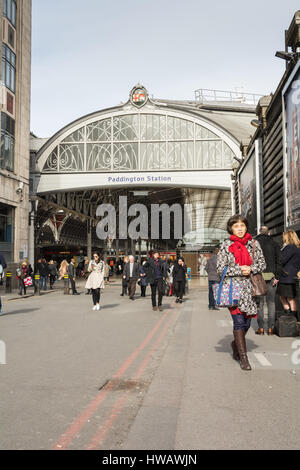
99, 131
71, 157
77, 136
99, 157
126, 127
125, 157
51, 162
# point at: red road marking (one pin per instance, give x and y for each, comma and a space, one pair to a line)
76, 426
98, 438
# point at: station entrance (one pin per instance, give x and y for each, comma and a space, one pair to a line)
151, 152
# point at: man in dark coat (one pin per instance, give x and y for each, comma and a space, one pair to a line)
3, 266
156, 273
131, 274
272, 273
213, 277
72, 276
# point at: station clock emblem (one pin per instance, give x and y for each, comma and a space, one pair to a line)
139, 96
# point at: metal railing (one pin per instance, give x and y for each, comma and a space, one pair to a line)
204, 95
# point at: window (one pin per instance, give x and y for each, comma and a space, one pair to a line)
9, 10
7, 146
8, 68
5, 224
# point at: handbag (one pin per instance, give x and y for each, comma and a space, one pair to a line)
228, 294
28, 281
259, 286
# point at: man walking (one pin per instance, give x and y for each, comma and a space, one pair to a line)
131, 275
72, 276
156, 273
3, 266
213, 277
272, 254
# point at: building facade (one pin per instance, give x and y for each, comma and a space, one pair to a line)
153, 151
15, 127
267, 183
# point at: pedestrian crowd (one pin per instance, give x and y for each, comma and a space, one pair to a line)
243, 274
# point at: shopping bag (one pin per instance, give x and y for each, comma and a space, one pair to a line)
228, 294
28, 282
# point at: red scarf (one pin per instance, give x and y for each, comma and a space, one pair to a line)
238, 248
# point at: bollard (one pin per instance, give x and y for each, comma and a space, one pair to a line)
8, 286
66, 284
37, 285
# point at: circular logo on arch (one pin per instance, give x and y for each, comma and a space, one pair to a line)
139, 97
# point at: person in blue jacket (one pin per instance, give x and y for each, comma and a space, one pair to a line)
3, 266
286, 288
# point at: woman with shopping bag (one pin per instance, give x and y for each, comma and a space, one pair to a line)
239, 258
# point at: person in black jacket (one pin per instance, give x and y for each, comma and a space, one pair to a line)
290, 267
179, 277
3, 266
42, 269
72, 276
272, 273
156, 273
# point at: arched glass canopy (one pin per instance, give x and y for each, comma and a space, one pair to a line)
140, 142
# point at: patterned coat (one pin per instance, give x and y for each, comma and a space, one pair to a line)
247, 303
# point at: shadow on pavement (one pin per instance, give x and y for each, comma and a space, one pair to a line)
109, 306
16, 312
224, 345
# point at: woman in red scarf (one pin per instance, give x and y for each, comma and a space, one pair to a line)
237, 254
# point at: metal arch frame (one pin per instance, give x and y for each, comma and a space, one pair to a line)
128, 109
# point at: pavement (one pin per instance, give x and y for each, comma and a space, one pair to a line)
130, 378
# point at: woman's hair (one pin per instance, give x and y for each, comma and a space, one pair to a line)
126, 259
291, 238
98, 254
233, 220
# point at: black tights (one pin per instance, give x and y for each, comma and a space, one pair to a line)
96, 296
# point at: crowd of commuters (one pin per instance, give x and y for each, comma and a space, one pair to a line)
242, 255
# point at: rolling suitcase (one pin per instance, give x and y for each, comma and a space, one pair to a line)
286, 326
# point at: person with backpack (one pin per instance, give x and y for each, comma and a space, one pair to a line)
3, 266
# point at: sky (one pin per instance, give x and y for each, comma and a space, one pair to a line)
88, 54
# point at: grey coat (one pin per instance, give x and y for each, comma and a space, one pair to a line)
247, 303
211, 268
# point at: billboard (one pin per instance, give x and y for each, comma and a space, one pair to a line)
291, 119
247, 193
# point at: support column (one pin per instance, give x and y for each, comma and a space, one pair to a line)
89, 239
117, 249
132, 247
140, 250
